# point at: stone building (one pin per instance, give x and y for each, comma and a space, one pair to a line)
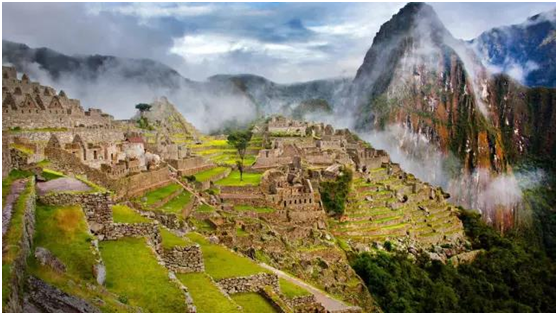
284, 126
29, 105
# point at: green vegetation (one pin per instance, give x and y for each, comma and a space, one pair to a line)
205, 208
221, 263
157, 195
91, 184
207, 297
50, 174
253, 303
336, 192
176, 204
510, 276
255, 209
64, 231
234, 179
209, 174
142, 107
169, 239
240, 140
291, 290
22, 148
11, 240
134, 274
124, 214
7, 182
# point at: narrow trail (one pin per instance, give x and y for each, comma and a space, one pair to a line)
15, 190
331, 304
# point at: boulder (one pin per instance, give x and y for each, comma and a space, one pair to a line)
46, 258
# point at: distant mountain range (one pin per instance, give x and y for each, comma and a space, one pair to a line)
526, 51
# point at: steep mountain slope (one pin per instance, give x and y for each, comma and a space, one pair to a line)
526, 51
416, 75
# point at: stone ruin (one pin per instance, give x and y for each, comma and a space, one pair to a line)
29, 105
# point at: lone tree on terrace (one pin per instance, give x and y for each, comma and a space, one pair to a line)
142, 107
239, 140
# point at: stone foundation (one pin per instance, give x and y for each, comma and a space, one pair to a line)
253, 283
183, 259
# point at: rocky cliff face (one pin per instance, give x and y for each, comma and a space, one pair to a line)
418, 76
525, 51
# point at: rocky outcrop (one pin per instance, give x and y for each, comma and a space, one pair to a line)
46, 258
43, 297
249, 284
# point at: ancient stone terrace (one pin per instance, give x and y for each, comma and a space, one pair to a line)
29, 105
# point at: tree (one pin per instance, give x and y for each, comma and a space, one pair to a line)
335, 193
239, 140
142, 107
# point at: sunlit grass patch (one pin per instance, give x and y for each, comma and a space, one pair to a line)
253, 303
207, 297
291, 290
134, 274
209, 174
64, 231
178, 203
124, 214
169, 239
205, 208
252, 208
234, 179
221, 263
161, 193
50, 174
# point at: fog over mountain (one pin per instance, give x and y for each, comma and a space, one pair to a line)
438, 104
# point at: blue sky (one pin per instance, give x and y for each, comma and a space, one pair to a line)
285, 42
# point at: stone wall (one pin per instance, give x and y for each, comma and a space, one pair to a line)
190, 165
115, 231
97, 206
6, 156
253, 283
138, 184
88, 135
207, 184
183, 259
306, 304
14, 302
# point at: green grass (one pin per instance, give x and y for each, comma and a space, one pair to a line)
205, 208
156, 195
134, 274
207, 297
253, 303
50, 174
255, 209
64, 231
221, 263
11, 240
291, 290
169, 239
124, 214
234, 179
22, 148
176, 204
209, 174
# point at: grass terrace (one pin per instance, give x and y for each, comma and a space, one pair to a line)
234, 179
11, 240
221, 263
169, 239
205, 208
209, 174
178, 203
207, 297
291, 290
253, 303
125, 214
51, 174
135, 275
156, 195
252, 208
64, 231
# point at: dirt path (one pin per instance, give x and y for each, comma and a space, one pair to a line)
62, 184
331, 304
15, 190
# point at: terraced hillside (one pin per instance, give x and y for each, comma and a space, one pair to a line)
396, 208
